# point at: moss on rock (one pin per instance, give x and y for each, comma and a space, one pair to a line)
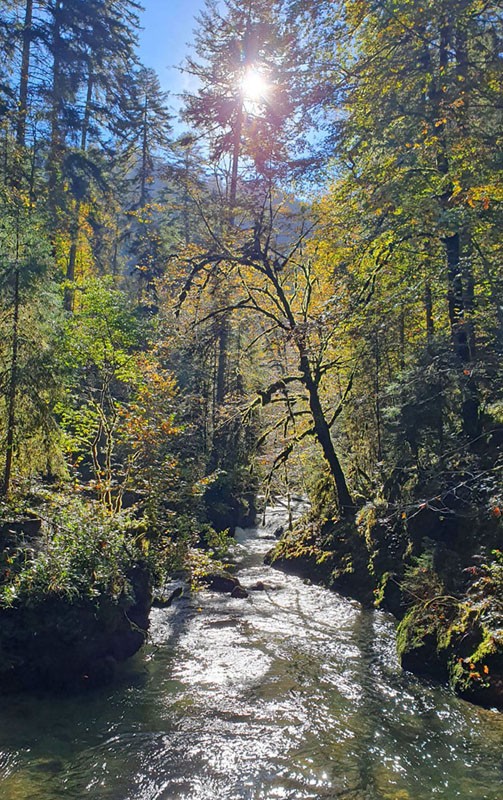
459, 639
331, 553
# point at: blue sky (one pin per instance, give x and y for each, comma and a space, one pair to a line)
167, 30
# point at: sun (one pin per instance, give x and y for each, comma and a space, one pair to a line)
254, 86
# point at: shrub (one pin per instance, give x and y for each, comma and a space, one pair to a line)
82, 552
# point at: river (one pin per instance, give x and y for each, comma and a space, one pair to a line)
292, 694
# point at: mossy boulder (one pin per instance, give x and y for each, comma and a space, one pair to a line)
58, 643
455, 641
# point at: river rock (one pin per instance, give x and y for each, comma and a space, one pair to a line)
257, 587
239, 592
164, 602
221, 581
63, 644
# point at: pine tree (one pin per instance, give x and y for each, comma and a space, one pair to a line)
242, 104
148, 130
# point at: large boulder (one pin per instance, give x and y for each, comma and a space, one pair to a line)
60, 644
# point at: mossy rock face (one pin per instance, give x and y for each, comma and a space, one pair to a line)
476, 663
303, 566
331, 554
297, 553
456, 647
476, 638
385, 538
60, 644
417, 644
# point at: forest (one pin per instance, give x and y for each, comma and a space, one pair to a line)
292, 289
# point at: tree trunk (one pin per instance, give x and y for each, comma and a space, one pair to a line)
377, 393
24, 77
224, 328
320, 424
72, 260
186, 198
223, 345
75, 227
144, 155
225, 324
455, 298
55, 146
236, 151
428, 309
11, 398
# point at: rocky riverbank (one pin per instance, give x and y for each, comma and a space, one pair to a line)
447, 596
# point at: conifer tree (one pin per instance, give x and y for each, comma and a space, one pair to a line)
242, 104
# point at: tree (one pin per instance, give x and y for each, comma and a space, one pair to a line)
101, 377
245, 62
242, 107
417, 152
150, 128
24, 74
274, 280
27, 366
415, 306
146, 130
242, 104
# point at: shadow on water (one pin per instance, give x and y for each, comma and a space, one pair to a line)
55, 745
294, 693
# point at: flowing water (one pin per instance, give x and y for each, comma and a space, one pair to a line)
294, 693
